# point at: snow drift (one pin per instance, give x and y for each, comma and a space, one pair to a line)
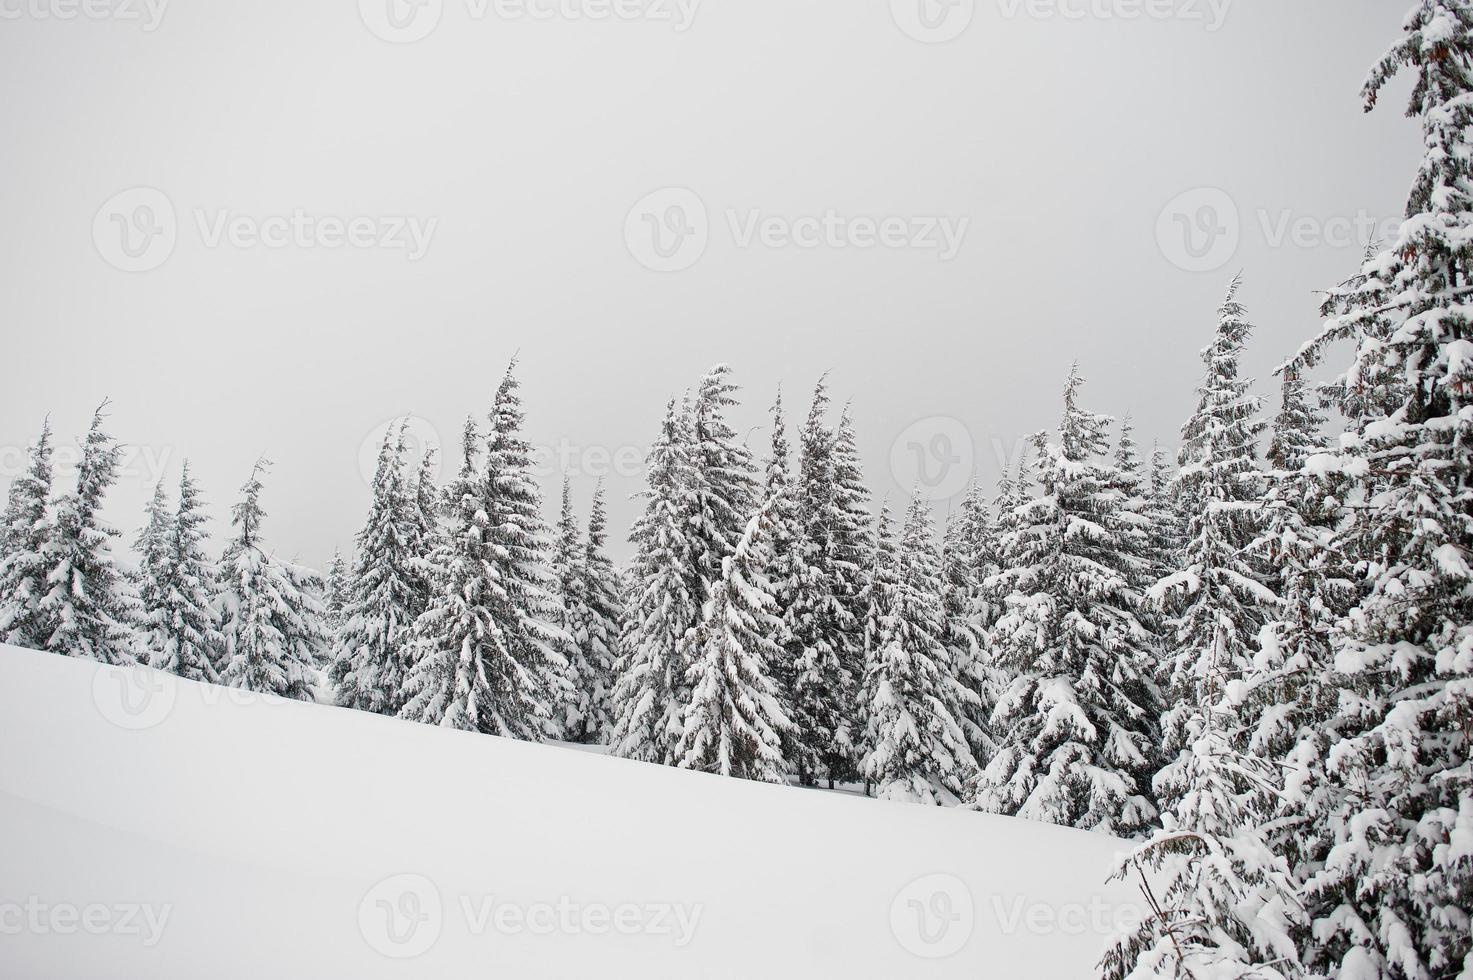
156, 827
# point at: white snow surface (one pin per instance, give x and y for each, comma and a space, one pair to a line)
161, 828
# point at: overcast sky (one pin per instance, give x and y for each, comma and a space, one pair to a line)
268, 227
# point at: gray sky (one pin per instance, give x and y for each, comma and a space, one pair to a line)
1086, 165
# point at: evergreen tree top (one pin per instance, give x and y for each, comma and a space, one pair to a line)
24, 522
598, 521
247, 515
97, 470
1438, 45
153, 542
780, 454
1296, 429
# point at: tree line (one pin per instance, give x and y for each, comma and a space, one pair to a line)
1255, 661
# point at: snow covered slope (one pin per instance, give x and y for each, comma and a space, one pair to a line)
154, 827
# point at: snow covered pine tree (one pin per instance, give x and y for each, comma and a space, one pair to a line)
1221, 902
185, 627
385, 594
664, 604
1077, 720
87, 609
25, 536
917, 750
489, 656
735, 723
1395, 897
820, 622
271, 621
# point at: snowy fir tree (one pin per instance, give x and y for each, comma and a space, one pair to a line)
663, 606
1394, 897
1132, 527
1220, 903
967, 560
335, 598
598, 629
1165, 529
447, 683
1289, 689
26, 535
723, 490
1076, 723
1014, 492
271, 622
88, 609
385, 595
702, 491
735, 722
423, 538
520, 551
582, 716
916, 749
1217, 595
153, 546
853, 539
783, 546
489, 654
820, 625
881, 582
184, 630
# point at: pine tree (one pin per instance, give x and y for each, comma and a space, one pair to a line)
785, 565
88, 609
723, 485
663, 606
535, 682
819, 620
1166, 534
881, 582
187, 637
1077, 720
702, 489
490, 656
598, 636
371, 657
735, 723
966, 562
1219, 600
1014, 492
271, 623
1395, 897
917, 750
335, 599
579, 717
1290, 688
448, 684
27, 534
154, 547
1221, 902
1131, 523
424, 536
852, 544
